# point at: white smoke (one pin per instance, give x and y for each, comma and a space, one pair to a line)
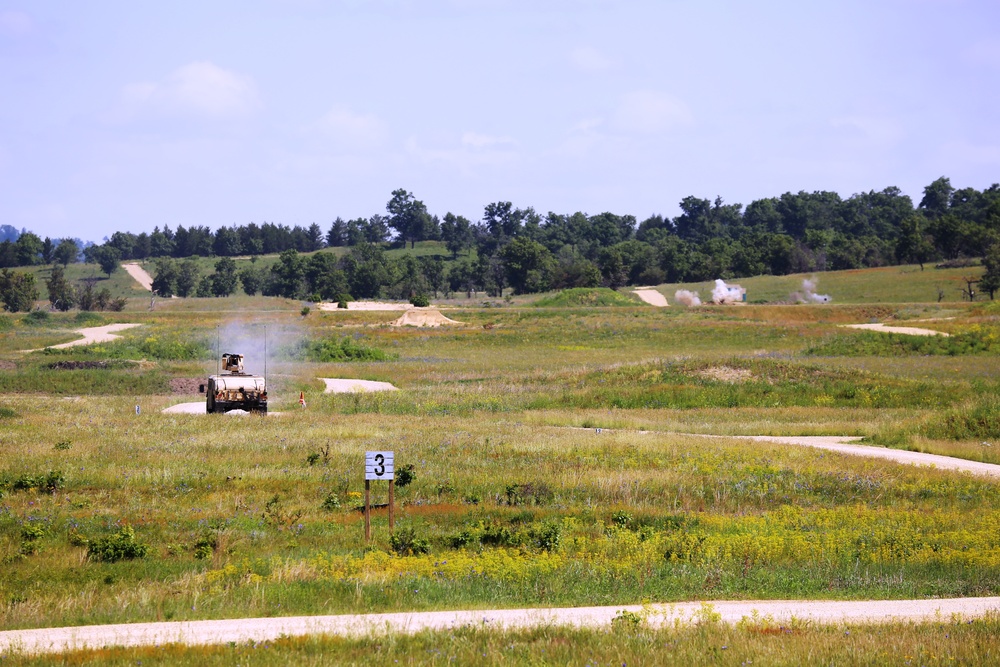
688, 298
262, 345
808, 293
724, 293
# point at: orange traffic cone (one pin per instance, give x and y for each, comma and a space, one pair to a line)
302, 398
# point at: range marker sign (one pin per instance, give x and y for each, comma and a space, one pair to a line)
379, 465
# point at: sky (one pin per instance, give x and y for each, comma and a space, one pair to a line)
124, 116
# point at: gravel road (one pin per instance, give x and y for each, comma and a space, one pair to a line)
884, 328
651, 296
56, 640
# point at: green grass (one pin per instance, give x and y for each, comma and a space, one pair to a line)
517, 498
588, 297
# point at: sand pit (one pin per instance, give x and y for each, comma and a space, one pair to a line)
367, 305
346, 386
90, 335
910, 331
651, 296
423, 317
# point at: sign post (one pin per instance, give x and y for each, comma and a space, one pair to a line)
379, 466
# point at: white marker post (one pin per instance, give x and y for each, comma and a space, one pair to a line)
379, 465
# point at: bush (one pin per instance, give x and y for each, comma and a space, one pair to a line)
120, 546
420, 301
37, 317
978, 421
49, 483
305, 311
537, 493
405, 542
331, 502
405, 475
344, 349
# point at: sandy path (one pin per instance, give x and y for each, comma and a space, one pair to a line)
140, 275
345, 386
90, 335
651, 296
54, 640
843, 445
912, 331
198, 408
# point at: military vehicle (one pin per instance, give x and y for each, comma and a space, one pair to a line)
233, 389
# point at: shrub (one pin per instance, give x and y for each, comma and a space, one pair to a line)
205, 546
547, 536
405, 475
37, 317
405, 542
123, 545
305, 311
420, 300
344, 349
7, 413
331, 502
49, 483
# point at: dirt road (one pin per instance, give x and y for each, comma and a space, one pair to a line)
90, 335
884, 328
346, 386
140, 275
55, 640
651, 296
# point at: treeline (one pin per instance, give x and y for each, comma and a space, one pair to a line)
517, 248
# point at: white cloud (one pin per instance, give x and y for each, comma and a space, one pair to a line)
15, 23
196, 89
650, 112
590, 60
355, 130
481, 141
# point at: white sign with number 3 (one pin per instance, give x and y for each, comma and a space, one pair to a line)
379, 465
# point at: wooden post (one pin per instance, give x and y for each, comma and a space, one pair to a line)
392, 508
368, 511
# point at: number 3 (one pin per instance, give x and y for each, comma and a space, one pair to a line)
379, 465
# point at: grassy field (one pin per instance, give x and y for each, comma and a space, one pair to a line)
107, 515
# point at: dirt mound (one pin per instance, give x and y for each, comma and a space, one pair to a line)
420, 317
185, 385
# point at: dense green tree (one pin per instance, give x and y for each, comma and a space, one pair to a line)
61, 293
456, 232
408, 216
29, 249
367, 270
528, 265
252, 279
107, 257
18, 290
224, 280
287, 277
165, 277
188, 275
337, 236
227, 242
48, 248
990, 282
66, 252
937, 198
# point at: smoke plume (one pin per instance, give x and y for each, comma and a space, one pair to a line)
808, 293
724, 293
688, 298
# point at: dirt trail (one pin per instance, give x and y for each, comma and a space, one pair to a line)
139, 274
651, 296
90, 335
55, 640
346, 386
844, 445
884, 328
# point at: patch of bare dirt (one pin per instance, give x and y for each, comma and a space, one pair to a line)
727, 374
420, 317
366, 305
651, 296
7, 365
185, 385
910, 331
71, 365
139, 274
348, 386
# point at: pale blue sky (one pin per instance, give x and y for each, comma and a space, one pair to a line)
126, 115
